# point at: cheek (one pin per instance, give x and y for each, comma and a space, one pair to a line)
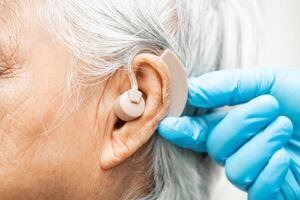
26, 110
24, 113
30, 157
29, 104
30, 100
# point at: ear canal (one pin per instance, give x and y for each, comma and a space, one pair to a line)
130, 105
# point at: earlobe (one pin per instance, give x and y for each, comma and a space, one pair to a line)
154, 82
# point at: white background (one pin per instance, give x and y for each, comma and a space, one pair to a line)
280, 48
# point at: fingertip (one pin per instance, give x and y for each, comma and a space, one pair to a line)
281, 156
186, 132
205, 91
167, 126
286, 124
270, 180
267, 105
197, 95
169, 121
270, 100
176, 131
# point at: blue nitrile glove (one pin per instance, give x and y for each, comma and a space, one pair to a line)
259, 141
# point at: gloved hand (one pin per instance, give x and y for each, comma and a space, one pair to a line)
258, 142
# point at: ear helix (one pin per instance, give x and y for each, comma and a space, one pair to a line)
130, 105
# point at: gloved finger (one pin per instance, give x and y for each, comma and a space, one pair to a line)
269, 181
240, 125
189, 132
296, 171
244, 165
290, 188
229, 87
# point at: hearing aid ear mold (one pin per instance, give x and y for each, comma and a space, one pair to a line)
131, 104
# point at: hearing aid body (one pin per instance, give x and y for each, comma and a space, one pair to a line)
131, 104
179, 83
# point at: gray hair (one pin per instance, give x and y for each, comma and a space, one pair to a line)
205, 34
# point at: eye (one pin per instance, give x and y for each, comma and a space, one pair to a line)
5, 68
8, 63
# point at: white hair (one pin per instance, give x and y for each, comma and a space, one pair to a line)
205, 34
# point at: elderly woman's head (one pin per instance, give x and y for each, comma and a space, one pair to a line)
60, 72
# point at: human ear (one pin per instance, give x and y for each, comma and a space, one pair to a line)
122, 140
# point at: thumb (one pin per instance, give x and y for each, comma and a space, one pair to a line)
229, 87
189, 132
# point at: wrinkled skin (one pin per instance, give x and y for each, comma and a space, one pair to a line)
86, 155
37, 161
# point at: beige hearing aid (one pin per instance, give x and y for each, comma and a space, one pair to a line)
131, 104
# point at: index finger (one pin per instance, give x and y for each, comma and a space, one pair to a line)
229, 87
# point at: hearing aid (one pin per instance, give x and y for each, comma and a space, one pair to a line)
130, 105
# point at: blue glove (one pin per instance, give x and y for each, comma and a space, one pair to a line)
258, 142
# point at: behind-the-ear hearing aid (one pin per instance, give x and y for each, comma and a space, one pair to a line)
131, 104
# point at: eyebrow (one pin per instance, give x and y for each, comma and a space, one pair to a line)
9, 61
10, 57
